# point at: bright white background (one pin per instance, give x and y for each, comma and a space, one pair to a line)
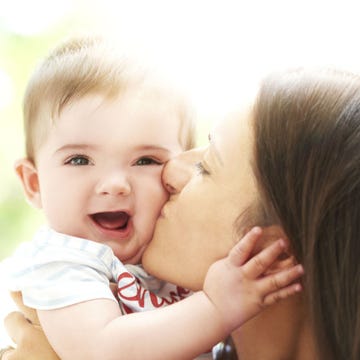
215, 51
211, 48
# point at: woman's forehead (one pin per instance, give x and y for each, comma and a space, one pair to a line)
233, 131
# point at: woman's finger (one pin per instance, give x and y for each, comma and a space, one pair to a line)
242, 250
258, 264
7, 354
29, 338
280, 285
16, 324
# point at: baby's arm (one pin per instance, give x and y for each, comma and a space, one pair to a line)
234, 291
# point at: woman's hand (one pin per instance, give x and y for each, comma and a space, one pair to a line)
29, 338
25, 330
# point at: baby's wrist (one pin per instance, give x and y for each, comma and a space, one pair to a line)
218, 315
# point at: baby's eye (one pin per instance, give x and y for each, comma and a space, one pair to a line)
200, 169
78, 160
147, 161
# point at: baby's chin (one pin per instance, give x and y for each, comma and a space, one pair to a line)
131, 259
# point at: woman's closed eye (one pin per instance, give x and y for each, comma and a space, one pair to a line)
201, 169
78, 160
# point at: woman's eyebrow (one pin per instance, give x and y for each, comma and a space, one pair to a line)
215, 150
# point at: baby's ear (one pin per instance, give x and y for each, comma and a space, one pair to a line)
270, 234
27, 173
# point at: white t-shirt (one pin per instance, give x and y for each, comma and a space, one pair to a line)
55, 270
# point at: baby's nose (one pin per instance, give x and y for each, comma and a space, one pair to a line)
116, 183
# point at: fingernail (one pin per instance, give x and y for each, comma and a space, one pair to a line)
300, 269
256, 230
282, 243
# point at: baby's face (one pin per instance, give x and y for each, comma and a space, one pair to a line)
99, 170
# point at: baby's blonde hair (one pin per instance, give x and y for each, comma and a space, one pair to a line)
81, 66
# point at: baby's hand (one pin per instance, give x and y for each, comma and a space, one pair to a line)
237, 286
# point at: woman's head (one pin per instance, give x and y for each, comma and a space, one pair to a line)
208, 194
307, 162
293, 160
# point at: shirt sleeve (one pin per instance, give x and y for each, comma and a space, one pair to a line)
57, 272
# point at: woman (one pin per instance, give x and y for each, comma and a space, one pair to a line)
291, 160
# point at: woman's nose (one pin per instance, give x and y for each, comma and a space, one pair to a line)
179, 170
114, 184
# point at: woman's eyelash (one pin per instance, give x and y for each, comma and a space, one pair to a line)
200, 169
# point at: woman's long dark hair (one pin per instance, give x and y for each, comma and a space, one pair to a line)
307, 162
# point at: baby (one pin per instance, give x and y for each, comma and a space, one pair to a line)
97, 137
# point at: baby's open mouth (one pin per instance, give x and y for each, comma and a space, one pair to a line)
115, 220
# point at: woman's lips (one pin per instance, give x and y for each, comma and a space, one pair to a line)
115, 224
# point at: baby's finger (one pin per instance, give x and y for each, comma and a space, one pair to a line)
282, 294
275, 283
242, 250
257, 265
